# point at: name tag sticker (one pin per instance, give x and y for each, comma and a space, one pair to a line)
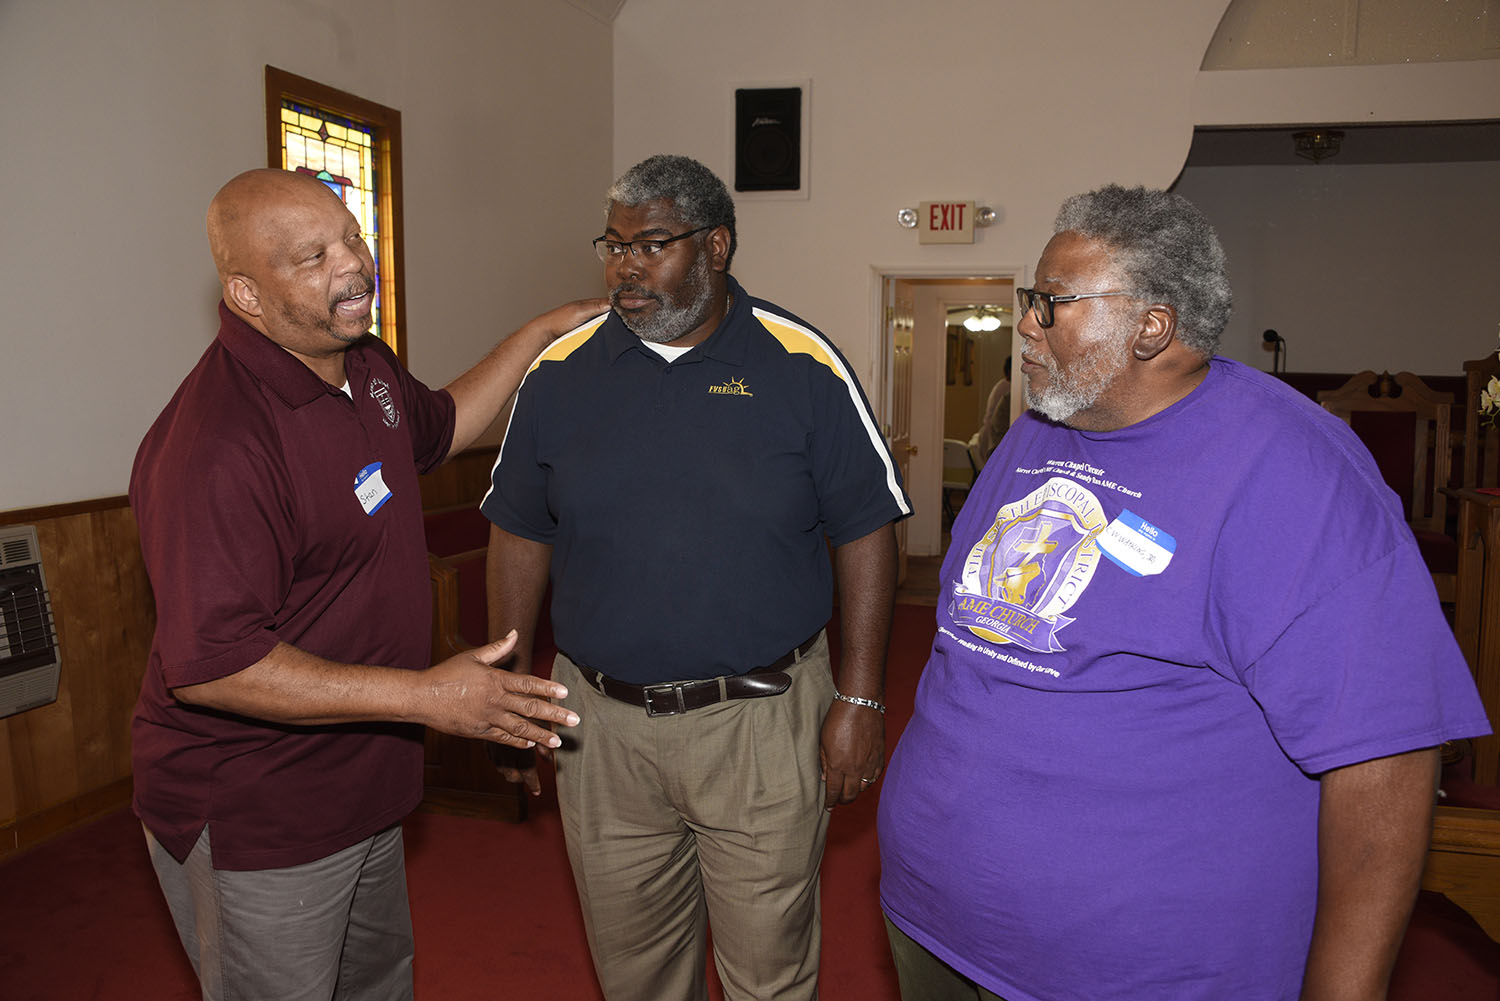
370, 489
1137, 546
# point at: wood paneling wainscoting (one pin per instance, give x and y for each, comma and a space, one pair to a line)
463, 479
69, 761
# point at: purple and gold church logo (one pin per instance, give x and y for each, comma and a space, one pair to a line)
1030, 567
380, 392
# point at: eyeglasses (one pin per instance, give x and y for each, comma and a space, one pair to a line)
645, 250
1043, 302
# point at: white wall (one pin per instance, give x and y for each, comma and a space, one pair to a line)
1012, 104
1017, 105
121, 120
1387, 267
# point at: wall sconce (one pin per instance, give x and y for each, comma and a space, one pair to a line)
1317, 145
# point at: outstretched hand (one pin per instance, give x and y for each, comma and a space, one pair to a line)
471, 698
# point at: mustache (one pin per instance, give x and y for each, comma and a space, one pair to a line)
634, 291
357, 286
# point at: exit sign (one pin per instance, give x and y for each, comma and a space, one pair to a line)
945, 222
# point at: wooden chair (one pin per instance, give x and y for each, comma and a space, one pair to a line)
959, 473
1406, 426
1481, 444
1463, 862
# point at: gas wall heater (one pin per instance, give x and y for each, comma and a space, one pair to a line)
29, 659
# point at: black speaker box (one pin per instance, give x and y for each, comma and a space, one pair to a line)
768, 139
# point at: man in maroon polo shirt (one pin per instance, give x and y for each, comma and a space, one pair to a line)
277, 739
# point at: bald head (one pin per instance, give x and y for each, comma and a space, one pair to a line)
293, 264
258, 213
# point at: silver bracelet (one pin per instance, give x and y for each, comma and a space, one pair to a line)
853, 701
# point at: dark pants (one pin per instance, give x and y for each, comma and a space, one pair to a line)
924, 977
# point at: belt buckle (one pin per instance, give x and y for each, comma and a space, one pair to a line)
669, 694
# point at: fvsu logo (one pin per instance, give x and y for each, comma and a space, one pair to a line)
1030, 567
734, 387
380, 392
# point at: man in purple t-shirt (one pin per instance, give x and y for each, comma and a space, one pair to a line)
1176, 737
277, 738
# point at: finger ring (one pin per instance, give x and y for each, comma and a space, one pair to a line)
864, 782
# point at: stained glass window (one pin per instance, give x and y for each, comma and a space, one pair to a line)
353, 146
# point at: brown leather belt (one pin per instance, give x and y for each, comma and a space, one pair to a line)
673, 697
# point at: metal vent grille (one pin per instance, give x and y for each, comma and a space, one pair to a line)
18, 548
29, 658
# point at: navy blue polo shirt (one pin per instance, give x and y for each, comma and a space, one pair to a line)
687, 503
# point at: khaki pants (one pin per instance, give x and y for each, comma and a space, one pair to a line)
708, 817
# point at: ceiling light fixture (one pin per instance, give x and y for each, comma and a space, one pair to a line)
983, 319
1317, 145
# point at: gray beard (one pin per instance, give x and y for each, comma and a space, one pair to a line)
1065, 396
671, 320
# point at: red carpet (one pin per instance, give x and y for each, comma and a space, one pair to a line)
496, 916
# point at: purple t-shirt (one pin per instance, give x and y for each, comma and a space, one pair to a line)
254, 531
1150, 642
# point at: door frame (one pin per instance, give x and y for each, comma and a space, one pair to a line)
883, 277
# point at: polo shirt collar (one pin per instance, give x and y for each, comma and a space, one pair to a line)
724, 344
276, 367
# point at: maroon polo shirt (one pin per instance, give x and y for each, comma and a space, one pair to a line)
253, 532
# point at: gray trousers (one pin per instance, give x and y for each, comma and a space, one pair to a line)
339, 927
714, 816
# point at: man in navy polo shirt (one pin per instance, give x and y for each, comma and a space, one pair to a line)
681, 466
275, 744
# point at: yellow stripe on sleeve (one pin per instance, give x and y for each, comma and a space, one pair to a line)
798, 339
569, 342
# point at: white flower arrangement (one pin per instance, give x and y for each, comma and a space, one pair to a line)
1489, 400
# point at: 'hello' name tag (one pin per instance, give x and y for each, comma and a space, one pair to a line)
370, 489
1137, 546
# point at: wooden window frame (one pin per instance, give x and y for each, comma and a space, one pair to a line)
385, 125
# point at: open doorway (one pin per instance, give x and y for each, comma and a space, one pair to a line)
912, 354
976, 397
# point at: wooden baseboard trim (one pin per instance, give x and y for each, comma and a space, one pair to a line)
25, 833
21, 515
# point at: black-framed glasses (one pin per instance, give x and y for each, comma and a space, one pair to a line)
645, 250
1043, 302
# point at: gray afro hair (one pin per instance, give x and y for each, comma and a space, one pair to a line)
1168, 252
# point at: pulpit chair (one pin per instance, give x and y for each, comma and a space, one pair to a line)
1481, 444
1406, 427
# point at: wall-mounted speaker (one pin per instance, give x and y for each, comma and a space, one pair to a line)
768, 139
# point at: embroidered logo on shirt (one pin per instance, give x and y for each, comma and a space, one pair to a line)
734, 387
380, 392
1030, 567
